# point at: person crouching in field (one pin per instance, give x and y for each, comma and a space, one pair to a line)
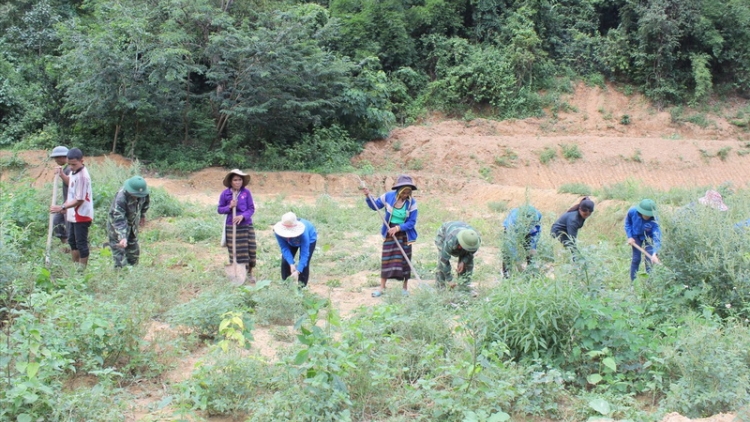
237, 196
401, 217
642, 227
522, 227
126, 214
294, 234
456, 238
566, 227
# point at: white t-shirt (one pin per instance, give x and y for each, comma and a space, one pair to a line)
80, 188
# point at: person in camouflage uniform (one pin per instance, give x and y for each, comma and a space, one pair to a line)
456, 238
126, 214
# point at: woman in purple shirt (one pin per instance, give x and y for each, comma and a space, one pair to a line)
238, 196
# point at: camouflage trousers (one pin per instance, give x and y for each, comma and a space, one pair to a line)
125, 256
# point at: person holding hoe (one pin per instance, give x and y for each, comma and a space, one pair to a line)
456, 238
126, 214
641, 226
398, 231
238, 198
78, 208
60, 226
522, 227
293, 234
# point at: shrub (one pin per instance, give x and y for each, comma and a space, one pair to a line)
204, 313
508, 159
571, 152
547, 155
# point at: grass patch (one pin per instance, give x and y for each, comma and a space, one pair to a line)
507, 159
576, 189
571, 152
547, 155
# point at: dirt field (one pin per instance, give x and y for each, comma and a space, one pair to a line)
481, 161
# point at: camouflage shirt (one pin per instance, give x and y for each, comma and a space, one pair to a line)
125, 214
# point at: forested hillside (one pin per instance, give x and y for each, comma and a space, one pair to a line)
190, 83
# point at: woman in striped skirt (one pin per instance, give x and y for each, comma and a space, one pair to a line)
401, 217
236, 195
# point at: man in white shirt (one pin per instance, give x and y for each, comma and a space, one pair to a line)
79, 207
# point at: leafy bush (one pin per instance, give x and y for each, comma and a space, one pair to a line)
709, 369
275, 303
204, 313
571, 152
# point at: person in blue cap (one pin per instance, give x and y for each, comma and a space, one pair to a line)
522, 227
641, 227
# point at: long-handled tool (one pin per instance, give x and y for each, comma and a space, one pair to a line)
648, 255
236, 272
47, 260
382, 217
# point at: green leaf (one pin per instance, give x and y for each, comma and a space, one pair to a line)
600, 405
24, 417
594, 379
610, 363
499, 417
301, 357
32, 369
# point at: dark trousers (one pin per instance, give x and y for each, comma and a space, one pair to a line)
304, 276
78, 238
635, 263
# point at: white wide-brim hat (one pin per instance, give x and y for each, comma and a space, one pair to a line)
289, 226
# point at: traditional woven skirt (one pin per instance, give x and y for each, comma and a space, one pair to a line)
392, 264
245, 244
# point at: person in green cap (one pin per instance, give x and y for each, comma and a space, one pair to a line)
126, 214
641, 226
456, 238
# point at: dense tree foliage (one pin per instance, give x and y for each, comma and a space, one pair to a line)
246, 82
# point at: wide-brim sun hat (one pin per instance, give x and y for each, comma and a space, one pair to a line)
404, 180
136, 186
59, 151
646, 207
469, 240
714, 200
289, 226
228, 178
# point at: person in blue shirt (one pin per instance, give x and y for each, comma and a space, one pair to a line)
642, 227
293, 234
522, 227
401, 219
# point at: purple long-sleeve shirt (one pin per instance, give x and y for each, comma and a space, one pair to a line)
245, 206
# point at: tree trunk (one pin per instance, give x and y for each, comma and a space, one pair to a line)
118, 126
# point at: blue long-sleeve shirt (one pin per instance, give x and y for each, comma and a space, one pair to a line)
303, 242
513, 220
387, 201
639, 228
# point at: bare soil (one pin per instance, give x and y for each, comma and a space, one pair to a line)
480, 161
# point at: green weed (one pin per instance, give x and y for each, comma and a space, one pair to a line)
571, 152
547, 155
575, 188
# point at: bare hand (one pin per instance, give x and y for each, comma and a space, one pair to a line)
123, 243
393, 230
56, 209
236, 220
631, 241
233, 203
460, 268
655, 259
295, 275
58, 170
142, 222
366, 191
292, 268
532, 252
